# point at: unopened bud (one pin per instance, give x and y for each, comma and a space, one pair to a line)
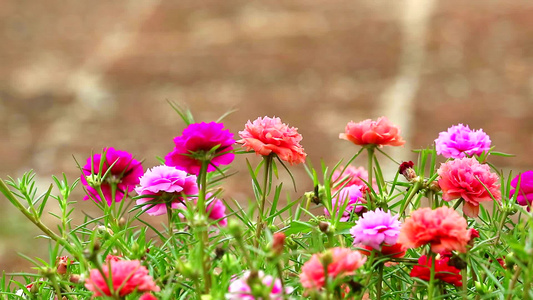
235, 229
278, 241
324, 226
326, 258
75, 278
62, 263
406, 169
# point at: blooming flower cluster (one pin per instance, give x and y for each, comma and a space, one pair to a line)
376, 228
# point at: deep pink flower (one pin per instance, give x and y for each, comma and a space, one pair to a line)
380, 133
148, 296
240, 289
194, 144
375, 228
355, 199
443, 271
525, 192
120, 170
127, 276
460, 141
269, 135
216, 210
468, 179
340, 262
443, 228
164, 184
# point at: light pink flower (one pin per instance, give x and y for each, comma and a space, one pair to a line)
468, 179
127, 276
380, 133
269, 135
340, 262
375, 228
460, 141
162, 185
443, 228
353, 195
239, 289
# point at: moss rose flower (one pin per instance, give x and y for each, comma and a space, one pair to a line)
195, 145
347, 201
240, 289
524, 195
269, 135
380, 133
338, 261
375, 228
127, 276
443, 271
163, 184
468, 179
460, 141
443, 228
121, 171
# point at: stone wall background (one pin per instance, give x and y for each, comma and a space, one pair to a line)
76, 76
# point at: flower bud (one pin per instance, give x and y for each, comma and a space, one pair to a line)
62, 263
406, 169
75, 278
324, 226
235, 229
278, 241
510, 260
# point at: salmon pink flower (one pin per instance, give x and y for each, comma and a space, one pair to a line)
375, 228
443, 228
127, 276
460, 141
164, 185
524, 195
269, 135
443, 271
354, 198
380, 133
119, 171
338, 261
468, 179
202, 142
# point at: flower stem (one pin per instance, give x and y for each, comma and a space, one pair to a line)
431, 277
380, 280
412, 192
204, 239
370, 151
260, 216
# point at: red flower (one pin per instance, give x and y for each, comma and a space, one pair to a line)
443, 271
396, 251
381, 133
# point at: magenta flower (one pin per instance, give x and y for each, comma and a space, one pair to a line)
162, 185
353, 195
525, 192
460, 141
375, 228
216, 210
119, 169
194, 145
240, 289
352, 176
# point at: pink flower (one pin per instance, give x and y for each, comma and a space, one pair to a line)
353, 195
196, 144
375, 228
443, 271
163, 184
148, 296
381, 133
460, 141
216, 210
119, 169
339, 262
443, 228
269, 135
468, 179
127, 276
352, 176
396, 251
525, 192
240, 288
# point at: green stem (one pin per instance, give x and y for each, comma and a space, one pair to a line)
412, 192
370, 151
380, 280
431, 277
260, 216
464, 278
204, 239
512, 283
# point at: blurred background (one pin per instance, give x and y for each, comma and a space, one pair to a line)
77, 76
